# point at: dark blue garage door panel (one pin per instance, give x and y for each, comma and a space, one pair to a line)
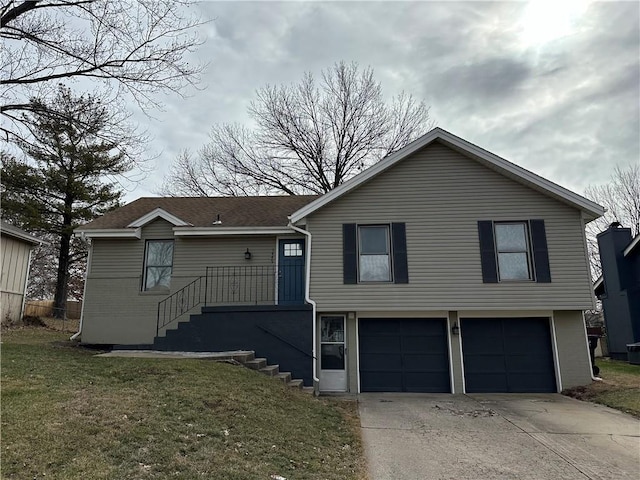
403, 355
507, 355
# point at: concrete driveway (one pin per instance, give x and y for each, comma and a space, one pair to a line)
490, 436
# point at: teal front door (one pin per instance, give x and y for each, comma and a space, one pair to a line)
291, 272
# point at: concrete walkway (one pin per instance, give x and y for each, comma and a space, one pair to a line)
438, 436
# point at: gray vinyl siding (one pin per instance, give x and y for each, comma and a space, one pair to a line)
15, 267
118, 312
441, 195
573, 355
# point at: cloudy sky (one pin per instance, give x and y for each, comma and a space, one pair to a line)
553, 86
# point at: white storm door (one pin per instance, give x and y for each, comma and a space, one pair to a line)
333, 365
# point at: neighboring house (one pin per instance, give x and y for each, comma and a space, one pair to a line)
619, 288
16, 247
443, 268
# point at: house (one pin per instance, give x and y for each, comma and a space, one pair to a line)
16, 247
442, 268
619, 288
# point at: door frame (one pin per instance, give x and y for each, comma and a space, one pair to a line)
345, 370
277, 261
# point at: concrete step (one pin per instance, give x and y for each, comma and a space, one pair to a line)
256, 363
308, 390
244, 357
271, 370
296, 383
284, 376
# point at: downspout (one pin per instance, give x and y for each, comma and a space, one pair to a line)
84, 291
26, 284
316, 380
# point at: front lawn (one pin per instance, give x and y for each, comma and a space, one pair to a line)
67, 414
619, 388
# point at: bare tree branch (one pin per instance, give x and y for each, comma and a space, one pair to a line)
141, 46
621, 199
309, 138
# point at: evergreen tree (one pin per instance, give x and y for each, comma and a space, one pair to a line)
67, 176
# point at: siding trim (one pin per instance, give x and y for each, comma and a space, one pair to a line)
450, 353
556, 355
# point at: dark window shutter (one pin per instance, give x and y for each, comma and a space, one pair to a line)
540, 253
349, 253
399, 242
487, 252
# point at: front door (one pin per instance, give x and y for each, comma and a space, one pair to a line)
291, 272
333, 372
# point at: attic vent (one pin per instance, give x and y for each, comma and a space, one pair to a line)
217, 221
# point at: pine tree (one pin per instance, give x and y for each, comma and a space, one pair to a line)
67, 175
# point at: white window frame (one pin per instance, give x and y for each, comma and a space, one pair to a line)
528, 251
146, 266
389, 253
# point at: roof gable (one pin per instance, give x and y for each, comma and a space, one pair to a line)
18, 233
592, 210
155, 214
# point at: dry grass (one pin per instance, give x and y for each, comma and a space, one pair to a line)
67, 414
619, 388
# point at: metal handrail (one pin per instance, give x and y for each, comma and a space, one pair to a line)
229, 285
179, 303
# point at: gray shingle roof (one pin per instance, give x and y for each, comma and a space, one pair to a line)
203, 211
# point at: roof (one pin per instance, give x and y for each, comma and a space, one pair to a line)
15, 232
202, 212
591, 210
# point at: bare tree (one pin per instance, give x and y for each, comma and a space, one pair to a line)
136, 47
308, 138
621, 198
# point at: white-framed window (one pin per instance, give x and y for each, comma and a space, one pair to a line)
513, 250
293, 249
374, 253
158, 265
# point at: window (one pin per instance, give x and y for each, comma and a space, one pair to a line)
373, 253
512, 248
158, 264
292, 249
513, 251
368, 251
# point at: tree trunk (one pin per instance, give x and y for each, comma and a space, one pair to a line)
60, 298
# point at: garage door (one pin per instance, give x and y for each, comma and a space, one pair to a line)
507, 355
403, 355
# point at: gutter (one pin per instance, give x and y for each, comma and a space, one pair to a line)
316, 380
84, 290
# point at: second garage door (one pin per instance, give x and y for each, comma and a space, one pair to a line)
507, 355
403, 355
